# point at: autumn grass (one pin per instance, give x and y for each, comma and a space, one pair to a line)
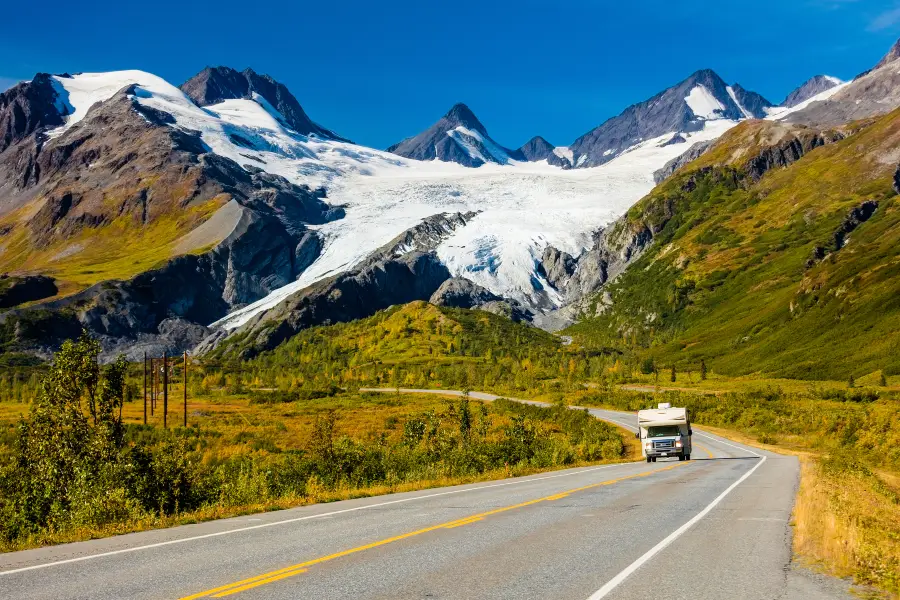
119, 249
235, 427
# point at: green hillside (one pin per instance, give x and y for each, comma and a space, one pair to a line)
417, 345
764, 276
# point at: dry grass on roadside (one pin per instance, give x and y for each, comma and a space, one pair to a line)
849, 525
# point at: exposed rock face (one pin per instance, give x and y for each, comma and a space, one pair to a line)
18, 290
811, 87
215, 84
535, 149
28, 107
403, 270
457, 137
462, 293
351, 295
750, 101
692, 153
666, 112
856, 217
557, 266
789, 150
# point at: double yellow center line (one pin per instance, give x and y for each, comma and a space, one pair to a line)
273, 576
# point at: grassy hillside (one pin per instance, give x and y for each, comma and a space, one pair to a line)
416, 345
761, 276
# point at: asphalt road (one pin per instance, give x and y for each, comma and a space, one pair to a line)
714, 527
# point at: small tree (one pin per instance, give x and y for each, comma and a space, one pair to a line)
851, 382
672, 377
647, 366
883, 380
465, 416
702, 370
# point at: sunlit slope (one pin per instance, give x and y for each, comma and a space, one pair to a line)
792, 274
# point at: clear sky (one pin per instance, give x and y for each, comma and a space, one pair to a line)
379, 71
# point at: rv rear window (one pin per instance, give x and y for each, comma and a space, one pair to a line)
662, 430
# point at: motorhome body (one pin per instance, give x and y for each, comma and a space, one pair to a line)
665, 431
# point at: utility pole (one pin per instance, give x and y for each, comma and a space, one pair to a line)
152, 386
165, 387
184, 378
145, 388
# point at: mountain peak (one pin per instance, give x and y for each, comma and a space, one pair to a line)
460, 114
216, 84
811, 87
457, 137
683, 108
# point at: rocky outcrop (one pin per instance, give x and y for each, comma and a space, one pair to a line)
462, 293
689, 155
29, 107
556, 266
215, 84
856, 217
788, 150
18, 290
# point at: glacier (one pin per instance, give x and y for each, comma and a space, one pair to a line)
522, 207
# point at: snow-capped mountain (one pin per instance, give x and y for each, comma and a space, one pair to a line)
686, 107
811, 87
457, 137
213, 85
516, 205
538, 149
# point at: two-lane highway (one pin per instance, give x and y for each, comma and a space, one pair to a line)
714, 527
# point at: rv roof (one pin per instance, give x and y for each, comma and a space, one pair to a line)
660, 417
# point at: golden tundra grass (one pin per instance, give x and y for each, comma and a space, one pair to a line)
238, 424
845, 526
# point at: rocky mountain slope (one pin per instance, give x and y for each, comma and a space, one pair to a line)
114, 198
875, 92
775, 251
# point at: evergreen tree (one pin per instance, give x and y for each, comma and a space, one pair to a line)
851, 382
672, 378
702, 370
883, 380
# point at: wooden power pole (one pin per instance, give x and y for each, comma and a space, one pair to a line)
152, 387
165, 387
184, 378
145, 388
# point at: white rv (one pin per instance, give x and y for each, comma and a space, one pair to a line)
664, 431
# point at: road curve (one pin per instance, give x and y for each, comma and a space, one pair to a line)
714, 527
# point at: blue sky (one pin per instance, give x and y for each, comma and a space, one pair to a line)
380, 71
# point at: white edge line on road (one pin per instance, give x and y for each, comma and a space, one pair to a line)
298, 519
622, 576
